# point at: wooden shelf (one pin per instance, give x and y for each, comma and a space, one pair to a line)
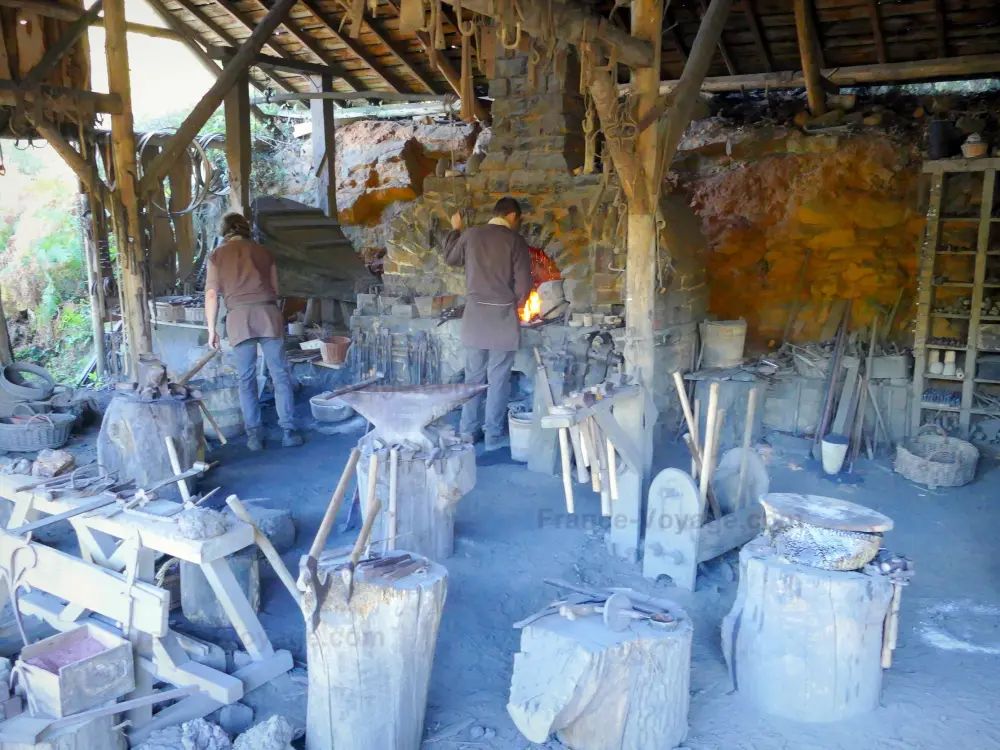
956, 316
947, 348
987, 381
956, 252
957, 379
963, 284
965, 219
982, 412
173, 324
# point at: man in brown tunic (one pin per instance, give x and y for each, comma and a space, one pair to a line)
498, 281
244, 273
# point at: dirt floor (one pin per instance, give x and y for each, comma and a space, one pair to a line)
511, 533
938, 693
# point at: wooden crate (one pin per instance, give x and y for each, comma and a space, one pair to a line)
78, 684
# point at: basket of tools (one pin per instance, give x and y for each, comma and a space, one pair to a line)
23, 433
934, 459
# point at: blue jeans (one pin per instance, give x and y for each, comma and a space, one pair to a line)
245, 354
493, 368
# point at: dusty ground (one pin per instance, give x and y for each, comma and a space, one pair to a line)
938, 694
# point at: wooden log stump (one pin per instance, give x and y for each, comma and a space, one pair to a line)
601, 690
805, 643
370, 660
132, 440
427, 495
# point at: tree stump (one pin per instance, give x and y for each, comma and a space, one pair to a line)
601, 690
132, 440
199, 603
370, 659
805, 643
426, 498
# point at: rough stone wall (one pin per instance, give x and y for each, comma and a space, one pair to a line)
537, 143
844, 208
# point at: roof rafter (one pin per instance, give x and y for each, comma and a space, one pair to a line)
359, 52
723, 49
880, 50
758, 34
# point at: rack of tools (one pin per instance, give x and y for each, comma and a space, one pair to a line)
958, 302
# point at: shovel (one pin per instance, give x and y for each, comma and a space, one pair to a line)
27, 730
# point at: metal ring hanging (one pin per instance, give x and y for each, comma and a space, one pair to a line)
206, 166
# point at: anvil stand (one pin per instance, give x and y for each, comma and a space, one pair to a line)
434, 468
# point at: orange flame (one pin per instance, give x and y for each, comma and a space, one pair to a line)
532, 307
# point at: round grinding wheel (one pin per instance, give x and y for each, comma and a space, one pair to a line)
618, 612
825, 512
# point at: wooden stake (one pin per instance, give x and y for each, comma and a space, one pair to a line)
596, 480
326, 525
708, 451
747, 437
567, 472
612, 470
175, 464
390, 542
266, 547
696, 437
810, 62
689, 418
713, 501
211, 420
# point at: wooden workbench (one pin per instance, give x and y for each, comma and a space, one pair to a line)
114, 579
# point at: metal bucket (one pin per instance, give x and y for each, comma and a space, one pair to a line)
520, 435
222, 398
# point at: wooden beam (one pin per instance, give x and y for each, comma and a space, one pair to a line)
85, 101
325, 148
238, 144
135, 311
247, 24
219, 31
940, 28
69, 13
55, 52
331, 26
974, 66
270, 62
688, 88
211, 101
573, 23
380, 32
880, 50
810, 65
723, 49
758, 34
675, 36
86, 171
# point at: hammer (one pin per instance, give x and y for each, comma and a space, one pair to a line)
373, 505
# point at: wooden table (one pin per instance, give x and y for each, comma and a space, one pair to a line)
114, 579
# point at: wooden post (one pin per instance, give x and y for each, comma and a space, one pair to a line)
180, 197
135, 312
90, 228
238, 144
810, 62
325, 149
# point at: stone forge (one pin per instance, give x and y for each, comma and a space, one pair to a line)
535, 154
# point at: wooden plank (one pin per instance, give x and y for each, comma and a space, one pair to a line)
85, 101
251, 633
62, 12
54, 54
238, 144
213, 98
30, 35
758, 35
75, 580
171, 663
942, 166
973, 66
808, 54
252, 676
731, 531
873, 10
135, 312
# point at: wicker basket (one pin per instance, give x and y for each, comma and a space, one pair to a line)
35, 432
936, 460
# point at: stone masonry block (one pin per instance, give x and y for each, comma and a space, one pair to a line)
498, 182
511, 67
499, 87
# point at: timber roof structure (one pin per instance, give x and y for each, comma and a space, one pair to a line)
759, 41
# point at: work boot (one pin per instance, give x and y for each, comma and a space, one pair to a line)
495, 443
254, 442
292, 439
